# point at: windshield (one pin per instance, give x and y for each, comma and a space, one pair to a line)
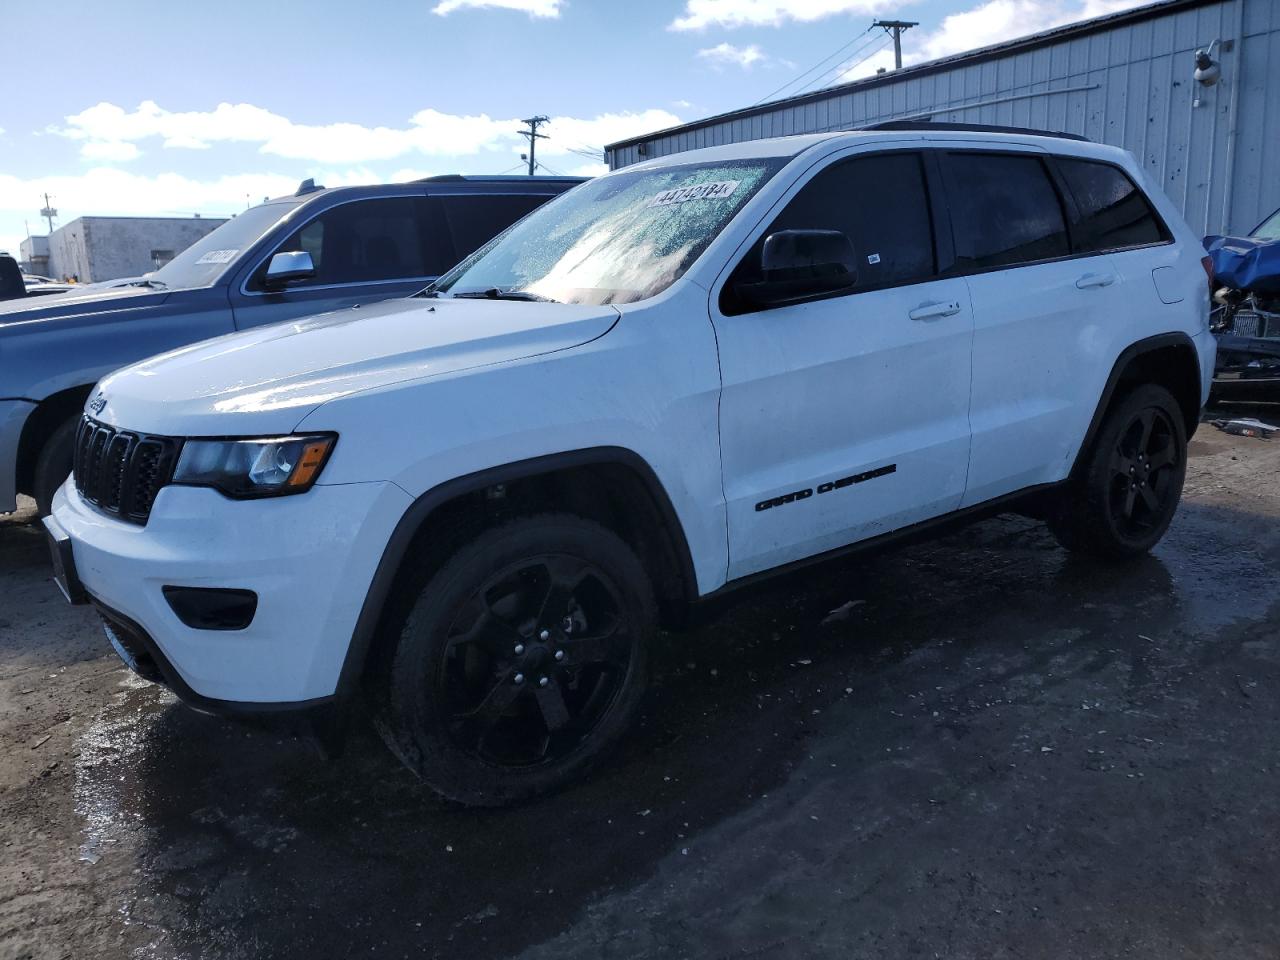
1270, 227
209, 257
615, 239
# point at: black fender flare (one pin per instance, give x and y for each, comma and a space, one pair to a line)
411, 522
1127, 356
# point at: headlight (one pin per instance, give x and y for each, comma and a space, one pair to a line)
266, 467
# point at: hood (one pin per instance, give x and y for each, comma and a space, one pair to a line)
1246, 263
78, 303
266, 380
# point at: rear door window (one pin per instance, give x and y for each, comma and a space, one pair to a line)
474, 219
1005, 210
1114, 213
880, 202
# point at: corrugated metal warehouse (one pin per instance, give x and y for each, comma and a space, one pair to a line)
1126, 79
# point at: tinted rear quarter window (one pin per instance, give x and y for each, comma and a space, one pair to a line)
474, 220
879, 202
1114, 213
1004, 210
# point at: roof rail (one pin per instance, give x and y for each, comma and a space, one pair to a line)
495, 178
970, 128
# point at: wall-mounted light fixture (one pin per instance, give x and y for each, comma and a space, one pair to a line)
1208, 71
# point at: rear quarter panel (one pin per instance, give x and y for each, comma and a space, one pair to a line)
1140, 311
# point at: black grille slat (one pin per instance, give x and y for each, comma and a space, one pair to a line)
146, 476
93, 465
121, 472
114, 462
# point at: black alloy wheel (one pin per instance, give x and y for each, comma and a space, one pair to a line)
534, 659
521, 661
1145, 482
1123, 498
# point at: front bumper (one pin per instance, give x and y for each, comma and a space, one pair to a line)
1246, 365
309, 558
13, 416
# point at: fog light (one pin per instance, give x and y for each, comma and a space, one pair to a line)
212, 608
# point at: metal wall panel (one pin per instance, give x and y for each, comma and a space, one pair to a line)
1214, 150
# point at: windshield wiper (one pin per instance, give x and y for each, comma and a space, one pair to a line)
154, 284
497, 293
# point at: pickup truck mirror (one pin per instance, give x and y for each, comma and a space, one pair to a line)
796, 265
287, 267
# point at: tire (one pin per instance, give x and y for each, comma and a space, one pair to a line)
1125, 499
53, 465
475, 701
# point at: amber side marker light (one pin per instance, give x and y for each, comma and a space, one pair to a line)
309, 464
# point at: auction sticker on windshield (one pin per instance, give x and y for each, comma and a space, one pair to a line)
715, 190
218, 256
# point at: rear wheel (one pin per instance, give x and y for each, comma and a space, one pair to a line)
1125, 500
53, 465
521, 662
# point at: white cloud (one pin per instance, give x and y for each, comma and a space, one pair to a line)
567, 132
406, 174
700, 14
1000, 20
109, 150
534, 8
988, 23
108, 191
588, 170
726, 53
109, 132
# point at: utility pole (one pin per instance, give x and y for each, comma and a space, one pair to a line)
534, 136
48, 212
896, 27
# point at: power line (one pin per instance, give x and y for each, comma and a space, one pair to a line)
825, 59
833, 76
589, 152
543, 166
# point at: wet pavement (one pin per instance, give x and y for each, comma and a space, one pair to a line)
977, 747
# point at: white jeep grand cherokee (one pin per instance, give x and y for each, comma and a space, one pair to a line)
477, 505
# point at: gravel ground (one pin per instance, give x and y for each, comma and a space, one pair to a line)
977, 747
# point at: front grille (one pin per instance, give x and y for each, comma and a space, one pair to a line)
121, 472
1256, 323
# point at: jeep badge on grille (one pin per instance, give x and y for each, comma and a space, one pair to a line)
98, 403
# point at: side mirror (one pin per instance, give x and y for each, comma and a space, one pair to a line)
288, 267
796, 265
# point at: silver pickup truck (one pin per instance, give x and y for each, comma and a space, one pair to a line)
294, 256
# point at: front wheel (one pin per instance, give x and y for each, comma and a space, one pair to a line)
53, 465
521, 662
1125, 500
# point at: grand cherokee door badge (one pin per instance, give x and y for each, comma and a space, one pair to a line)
827, 487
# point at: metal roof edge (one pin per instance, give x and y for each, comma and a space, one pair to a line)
1031, 42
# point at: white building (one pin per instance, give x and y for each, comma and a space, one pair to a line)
105, 248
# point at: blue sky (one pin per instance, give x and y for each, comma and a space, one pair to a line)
124, 107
